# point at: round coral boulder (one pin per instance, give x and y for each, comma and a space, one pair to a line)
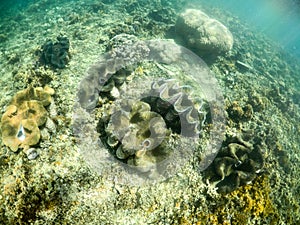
202, 34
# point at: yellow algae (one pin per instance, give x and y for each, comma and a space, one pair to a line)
246, 205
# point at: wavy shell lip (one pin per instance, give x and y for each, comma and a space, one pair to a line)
236, 165
176, 100
174, 105
144, 144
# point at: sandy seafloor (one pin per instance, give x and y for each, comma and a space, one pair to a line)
59, 188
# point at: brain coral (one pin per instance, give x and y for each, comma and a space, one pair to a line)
22, 118
202, 33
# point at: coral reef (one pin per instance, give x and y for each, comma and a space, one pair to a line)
202, 33
237, 164
25, 114
62, 187
55, 54
238, 113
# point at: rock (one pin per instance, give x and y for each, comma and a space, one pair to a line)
204, 35
32, 153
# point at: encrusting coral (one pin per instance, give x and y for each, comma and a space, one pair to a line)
248, 203
22, 118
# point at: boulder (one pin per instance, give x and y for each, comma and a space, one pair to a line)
202, 34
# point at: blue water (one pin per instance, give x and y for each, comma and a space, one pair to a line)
279, 19
13, 6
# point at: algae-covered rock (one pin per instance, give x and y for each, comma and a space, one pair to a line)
202, 33
237, 112
22, 118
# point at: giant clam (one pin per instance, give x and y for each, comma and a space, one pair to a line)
239, 162
143, 129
